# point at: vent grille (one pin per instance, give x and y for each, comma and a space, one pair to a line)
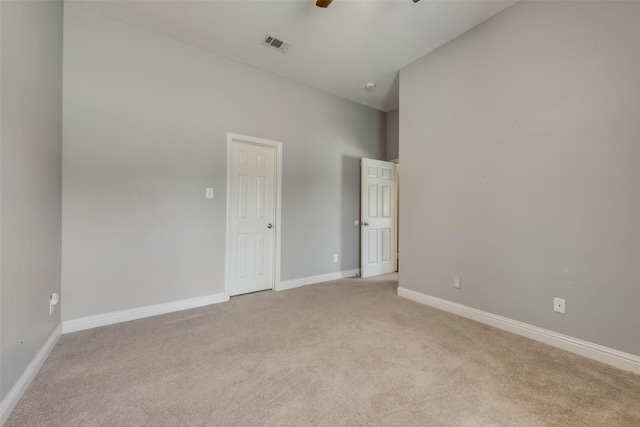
276, 43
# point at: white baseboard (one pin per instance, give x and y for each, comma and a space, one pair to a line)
16, 392
296, 283
90, 322
588, 349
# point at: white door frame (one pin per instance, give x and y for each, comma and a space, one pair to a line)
231, 138
397, 218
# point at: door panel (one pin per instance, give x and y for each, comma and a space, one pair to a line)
378, 196
386, 201
373, 246
373, 201
260, 254
386, 244
252, 217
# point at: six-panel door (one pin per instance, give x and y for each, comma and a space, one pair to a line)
252, 201
378, 192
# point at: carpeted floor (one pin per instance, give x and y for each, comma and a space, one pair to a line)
348, 352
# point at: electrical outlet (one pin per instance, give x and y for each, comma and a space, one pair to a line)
457, 282
335, 258
559, 305
208, 193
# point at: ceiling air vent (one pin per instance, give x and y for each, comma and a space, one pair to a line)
276, 43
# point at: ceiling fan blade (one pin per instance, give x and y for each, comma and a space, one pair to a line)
325, 3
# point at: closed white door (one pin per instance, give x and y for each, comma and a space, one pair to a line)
252, 217
378, 212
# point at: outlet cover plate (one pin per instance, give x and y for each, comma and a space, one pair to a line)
559, 305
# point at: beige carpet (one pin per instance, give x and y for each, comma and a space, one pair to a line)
348, 352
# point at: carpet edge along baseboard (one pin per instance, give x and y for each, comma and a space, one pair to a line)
89, 322
610, 356
105, 319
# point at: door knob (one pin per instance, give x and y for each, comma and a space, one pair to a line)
270, 226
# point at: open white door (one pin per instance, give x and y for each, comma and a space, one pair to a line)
252, 213
378, 217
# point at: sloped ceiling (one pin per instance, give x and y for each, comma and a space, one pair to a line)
337, 50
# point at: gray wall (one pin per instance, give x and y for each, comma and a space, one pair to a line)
393, 138
521, 169
30, 190
145, 123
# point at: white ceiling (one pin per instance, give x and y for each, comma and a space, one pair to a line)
337, 50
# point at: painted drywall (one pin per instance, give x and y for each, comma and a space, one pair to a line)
520, 169
30, 190
393, 138
145, 126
